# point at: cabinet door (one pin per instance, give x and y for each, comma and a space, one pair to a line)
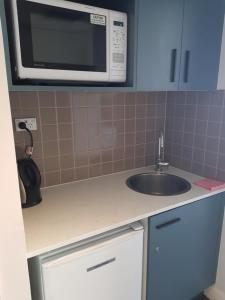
159, 44
201, 45
183, 249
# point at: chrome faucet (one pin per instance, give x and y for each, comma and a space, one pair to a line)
160, 160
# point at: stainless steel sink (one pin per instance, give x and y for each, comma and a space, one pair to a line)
159, 184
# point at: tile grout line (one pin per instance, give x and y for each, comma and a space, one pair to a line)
42, 141
145, 129
183, 130
124, 156
73, 133
57, 132
21, 113
195, 126
99, 133
205, 143
135, 127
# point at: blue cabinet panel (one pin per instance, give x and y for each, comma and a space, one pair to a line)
179, 43
159, 44
201, 44
183, 249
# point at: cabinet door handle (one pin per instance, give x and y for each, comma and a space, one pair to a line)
171, 222
101, 264
173, 65
187, 65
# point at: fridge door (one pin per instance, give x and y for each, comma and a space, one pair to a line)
108, 270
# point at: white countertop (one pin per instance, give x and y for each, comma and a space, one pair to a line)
75, 211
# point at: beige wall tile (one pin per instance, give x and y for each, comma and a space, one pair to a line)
47, 99
66, 162
82, 173
64, 115
106, 113
67, 175
66, 147
82, 135
119, 98
52, 178
28, 99
118, 112
51, 164
94, 157
65, 131
49, 132
107, 155
50, 149
48, 116
63, 99
118, 166
107, 168
14, 100
81, 159
95, 170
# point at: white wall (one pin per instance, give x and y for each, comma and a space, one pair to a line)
14, 282
217, 292
221, 269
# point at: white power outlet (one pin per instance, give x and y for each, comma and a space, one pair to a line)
30, 122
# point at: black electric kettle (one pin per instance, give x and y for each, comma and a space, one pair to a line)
29, 175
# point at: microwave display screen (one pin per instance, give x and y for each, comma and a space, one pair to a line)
118, 23
56, 38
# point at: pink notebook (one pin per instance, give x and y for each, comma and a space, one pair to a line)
210, 184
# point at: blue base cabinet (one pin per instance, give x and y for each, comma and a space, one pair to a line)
183, 249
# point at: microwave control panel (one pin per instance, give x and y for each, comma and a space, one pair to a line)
118, 47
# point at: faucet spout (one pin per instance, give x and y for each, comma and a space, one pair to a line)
160, 160
161, 144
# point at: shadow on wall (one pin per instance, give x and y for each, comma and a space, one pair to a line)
195, 132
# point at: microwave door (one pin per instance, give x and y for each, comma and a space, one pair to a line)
58, 43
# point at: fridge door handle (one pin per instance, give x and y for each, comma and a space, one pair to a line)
102, 264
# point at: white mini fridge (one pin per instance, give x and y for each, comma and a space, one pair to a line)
108, 267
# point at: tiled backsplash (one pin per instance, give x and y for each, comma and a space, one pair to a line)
195, 132
87, 135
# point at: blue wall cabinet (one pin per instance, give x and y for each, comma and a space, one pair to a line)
183, 249
201, 44
159, 44
179, 43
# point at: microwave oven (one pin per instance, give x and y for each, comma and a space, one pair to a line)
67, 41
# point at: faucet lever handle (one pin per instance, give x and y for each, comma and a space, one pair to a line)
163, 163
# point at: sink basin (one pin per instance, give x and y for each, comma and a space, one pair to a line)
159, 184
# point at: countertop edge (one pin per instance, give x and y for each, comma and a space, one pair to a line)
120, 224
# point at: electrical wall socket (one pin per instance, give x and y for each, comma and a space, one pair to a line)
30, 122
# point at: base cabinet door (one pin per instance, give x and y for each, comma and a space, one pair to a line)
183, 249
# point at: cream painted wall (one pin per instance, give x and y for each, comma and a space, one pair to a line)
221, 268
217, 291
14, 280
